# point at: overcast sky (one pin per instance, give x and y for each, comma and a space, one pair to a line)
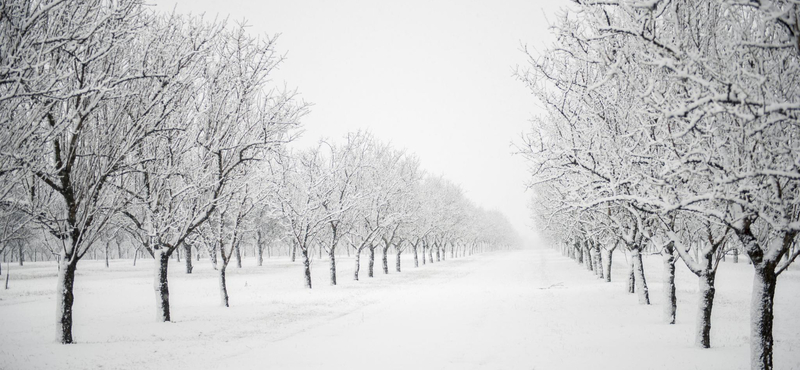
433, 77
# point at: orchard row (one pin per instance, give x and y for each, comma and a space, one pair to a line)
673, 127
166, 132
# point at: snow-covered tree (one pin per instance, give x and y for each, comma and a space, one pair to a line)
672, 109
302, 188
89, 81
231, 121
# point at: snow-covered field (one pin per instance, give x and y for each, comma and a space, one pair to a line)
531, 309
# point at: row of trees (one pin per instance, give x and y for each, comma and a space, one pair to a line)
367, 195
673, 126
165, 131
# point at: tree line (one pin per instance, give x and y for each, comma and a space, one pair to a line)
672, 128
165, 131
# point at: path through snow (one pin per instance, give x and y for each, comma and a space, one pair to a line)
512, 310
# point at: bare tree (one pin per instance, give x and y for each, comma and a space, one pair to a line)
302, 190
96, 85
230, 123
657, 110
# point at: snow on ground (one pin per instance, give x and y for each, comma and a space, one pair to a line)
531, 309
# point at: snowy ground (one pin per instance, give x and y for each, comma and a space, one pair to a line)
527, 310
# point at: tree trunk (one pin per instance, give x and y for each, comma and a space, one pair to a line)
332, 256
371, 261
631, 278
670, 300
238, 252
223, 286
161, 263
188, 251
735, 255
598, 263
358, 264
641, 283
22, 255
423, 255
705, 303
135, 256
416, 258
294, 252
385, 260
588, 261
430, 254
106, 255
64, 299
761, 316
438, 255
212, 254
397, 263
259, 254
307, 267
444, 251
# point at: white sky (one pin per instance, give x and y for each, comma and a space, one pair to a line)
433, 77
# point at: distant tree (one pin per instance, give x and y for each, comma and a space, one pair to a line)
226, 228
302, 188
344, 169
268, 230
